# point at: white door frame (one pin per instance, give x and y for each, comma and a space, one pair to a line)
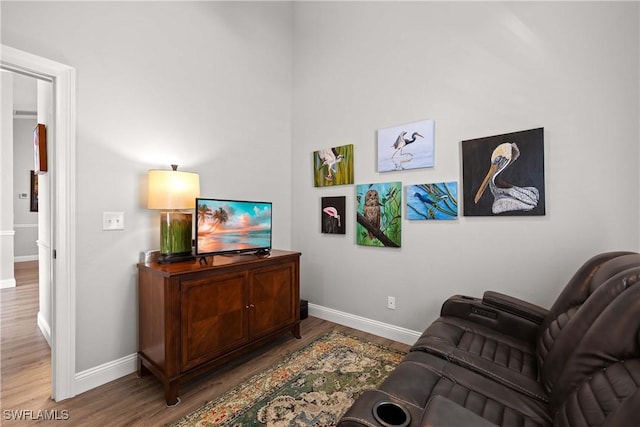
62, 154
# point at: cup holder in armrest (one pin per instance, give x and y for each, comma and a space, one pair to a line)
391, 414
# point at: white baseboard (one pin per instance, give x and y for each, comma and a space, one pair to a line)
107, 372
385, 330
7, 283
44, 328
24, 258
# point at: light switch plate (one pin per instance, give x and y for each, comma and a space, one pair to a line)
113, 221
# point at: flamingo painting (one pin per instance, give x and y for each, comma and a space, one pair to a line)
333, 211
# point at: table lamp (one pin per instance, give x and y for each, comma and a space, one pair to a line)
170, 191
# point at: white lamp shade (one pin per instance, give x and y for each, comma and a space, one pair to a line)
172, 189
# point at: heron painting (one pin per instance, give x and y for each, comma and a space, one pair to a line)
407, 146
333, 166
432, 201
504, 174
333, 214
379, 214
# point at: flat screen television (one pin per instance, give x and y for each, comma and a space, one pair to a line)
232, 227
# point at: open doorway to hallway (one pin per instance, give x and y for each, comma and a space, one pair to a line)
26, 297
62, 134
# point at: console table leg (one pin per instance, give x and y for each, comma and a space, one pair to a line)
296, 331
142, 370
171, 393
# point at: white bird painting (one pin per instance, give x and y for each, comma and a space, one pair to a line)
333, 166
330, 158
408, 146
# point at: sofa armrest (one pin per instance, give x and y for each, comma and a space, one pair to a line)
361, 413
515, 306
442, 412
498, 319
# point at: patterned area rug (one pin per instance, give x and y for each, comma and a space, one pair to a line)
312, 387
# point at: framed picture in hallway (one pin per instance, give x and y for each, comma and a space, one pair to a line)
40, 148
33, 194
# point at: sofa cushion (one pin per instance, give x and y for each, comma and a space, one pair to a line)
602, 395
501, 357
422, 376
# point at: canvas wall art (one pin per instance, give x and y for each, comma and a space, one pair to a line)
504, 174
379, 214
408, 146
333, 214
432, 201
333, 166
40, 148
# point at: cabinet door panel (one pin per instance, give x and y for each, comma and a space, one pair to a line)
272, 297
214, 317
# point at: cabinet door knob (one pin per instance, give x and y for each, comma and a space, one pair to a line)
252, 306
247, 307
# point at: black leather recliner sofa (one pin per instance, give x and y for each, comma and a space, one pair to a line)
500, 361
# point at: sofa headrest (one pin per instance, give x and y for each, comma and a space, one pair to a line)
582, 283
614, 335
612, 267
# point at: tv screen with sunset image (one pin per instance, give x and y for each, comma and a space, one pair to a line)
232, 226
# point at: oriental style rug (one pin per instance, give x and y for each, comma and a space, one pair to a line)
312, 387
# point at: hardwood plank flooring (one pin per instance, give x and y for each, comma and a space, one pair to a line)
127, 401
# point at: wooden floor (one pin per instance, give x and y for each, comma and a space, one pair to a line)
128, 401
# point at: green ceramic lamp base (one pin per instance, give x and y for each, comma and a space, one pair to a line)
175, 236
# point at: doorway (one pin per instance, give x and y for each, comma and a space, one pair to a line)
62, 218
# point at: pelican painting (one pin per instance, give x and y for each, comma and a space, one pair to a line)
408, 146
333, 166
507, 197
515, 188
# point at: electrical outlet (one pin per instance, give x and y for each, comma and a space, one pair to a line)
391, 303
113, 220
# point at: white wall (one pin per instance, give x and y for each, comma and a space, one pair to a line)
7, 234
477, 69
25, 221
206, 85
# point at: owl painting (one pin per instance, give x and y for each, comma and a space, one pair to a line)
379, 214
371, 209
